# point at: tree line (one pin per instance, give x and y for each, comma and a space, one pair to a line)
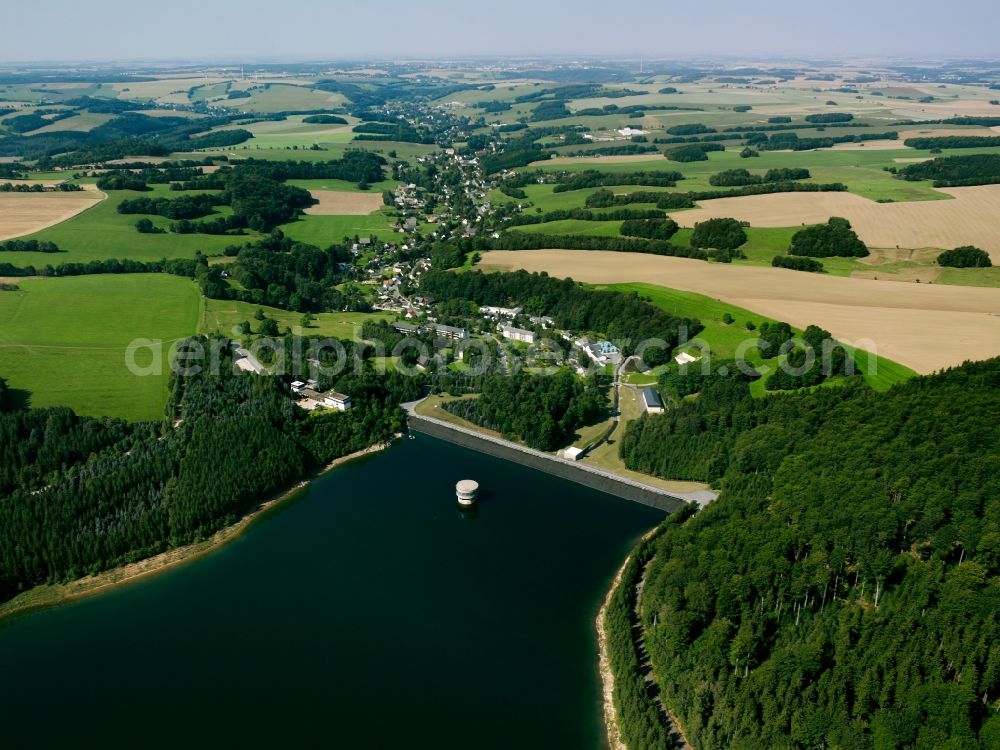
954, 171
842, 590
625, 319
79, 495
542, 411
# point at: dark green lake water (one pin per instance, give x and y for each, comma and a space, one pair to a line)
367, 613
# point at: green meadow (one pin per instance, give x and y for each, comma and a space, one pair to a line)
101, 232
323, 231
861, 171
328, 151
223, 316
343, 186
725, 339
63, 341
292, 131
284, 97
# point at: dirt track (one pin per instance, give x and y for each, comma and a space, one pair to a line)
924, 326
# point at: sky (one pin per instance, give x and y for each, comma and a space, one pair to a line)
252, 30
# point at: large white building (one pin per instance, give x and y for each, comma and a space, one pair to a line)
501, 312
600, 352
517, 334
310, 398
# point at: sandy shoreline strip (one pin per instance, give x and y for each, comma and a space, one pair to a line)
611, 730
45, 596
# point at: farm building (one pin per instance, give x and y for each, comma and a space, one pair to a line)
651, 401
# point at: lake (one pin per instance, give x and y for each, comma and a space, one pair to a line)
368, 612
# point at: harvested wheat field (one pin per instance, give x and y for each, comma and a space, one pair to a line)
344, 203
24, 213
972, 218
923, 326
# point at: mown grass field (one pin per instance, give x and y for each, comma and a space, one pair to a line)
222, 316
63, 341
292, 131
324, 231
343, 185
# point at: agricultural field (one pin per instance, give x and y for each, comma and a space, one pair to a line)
344, 203
250, 150
725, 339
343, 186
283, 97
63, 341
223, 317
26, 213
101, 233
323, 231
292, 132
921, 326
81, 123
968, 219
861, 171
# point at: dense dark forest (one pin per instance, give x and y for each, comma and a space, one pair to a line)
585, 214
604, 198
79, 495
797, 263
967, 256
842, 590
740, 177
836, 238
542, 411
254, 190
592, 178
955, 171
719, 234
280, 272
624, 318
531, 241
651, 229
953, 141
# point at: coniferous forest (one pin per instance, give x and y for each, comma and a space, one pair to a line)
79, 495
843, 589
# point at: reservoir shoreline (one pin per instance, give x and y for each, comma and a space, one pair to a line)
47, 596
